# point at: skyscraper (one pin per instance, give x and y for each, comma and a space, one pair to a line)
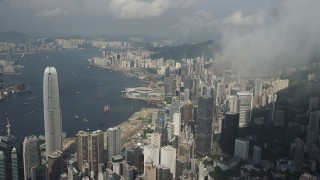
10, 157
177, 123
258, 87
204, 125
245, 108
30, 155
163, 173
90, 150
168, 158
114, 142
95, 150
229, 132
241, 148
51, 111
55, 165
312, 132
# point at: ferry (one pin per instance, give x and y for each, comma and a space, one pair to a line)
106, 108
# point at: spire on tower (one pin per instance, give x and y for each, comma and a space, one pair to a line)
8, 127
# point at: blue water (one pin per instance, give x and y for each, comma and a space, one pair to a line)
97, 87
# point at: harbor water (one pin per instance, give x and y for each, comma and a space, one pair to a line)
84, 91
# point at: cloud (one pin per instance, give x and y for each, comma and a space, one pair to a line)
52, 13
138, 9
287, 33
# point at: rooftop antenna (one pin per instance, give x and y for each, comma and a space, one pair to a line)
8, 127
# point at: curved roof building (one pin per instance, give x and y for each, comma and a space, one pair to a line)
52, 111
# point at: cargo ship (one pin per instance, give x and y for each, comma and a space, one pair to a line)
106, 108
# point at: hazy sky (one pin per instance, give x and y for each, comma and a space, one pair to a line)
169, 18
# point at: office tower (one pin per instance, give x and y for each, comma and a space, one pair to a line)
151, 153
30, 155
241, 148
14, 164
10, 158
186, 113
204, 125
161, 126
168, 158
245, 108
2, 165
312, 131
156, 139
186, 144
257, 155
114, 142
170, 132
177, 123
134, 156
170, 86
279, 118
272, 111
55, 165
149, 170
163, 173
51, 111
298, 156
221, 92
186, 95
90, 150
39, 172
258, 87
230, 130
234, 104
182, 164
73, 173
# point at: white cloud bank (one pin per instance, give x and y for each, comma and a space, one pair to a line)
138, 9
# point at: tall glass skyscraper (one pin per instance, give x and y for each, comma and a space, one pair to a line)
204, 125
51, 111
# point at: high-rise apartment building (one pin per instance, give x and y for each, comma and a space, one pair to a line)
114, 142
90, 150
30, 155
204, 125
52, 111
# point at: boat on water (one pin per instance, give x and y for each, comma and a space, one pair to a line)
76, 116
22, 55
26, 103
106, 108
77, 92
85, 119
102, 123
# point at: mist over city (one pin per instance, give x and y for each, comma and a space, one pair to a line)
159, 89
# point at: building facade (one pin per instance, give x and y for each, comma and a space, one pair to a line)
52, 111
